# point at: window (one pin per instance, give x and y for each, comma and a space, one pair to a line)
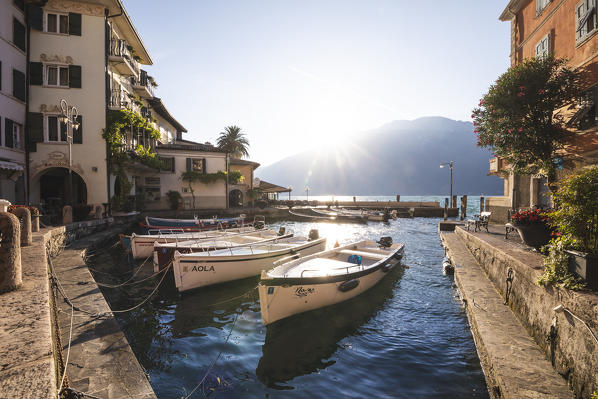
57, 75
18, 34
197, 165
543, 47
57, 23
20, 4
585, 19
18, 84
541, 5
12, 134
56, 130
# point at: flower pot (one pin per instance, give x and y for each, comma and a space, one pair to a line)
585, 266
534, 235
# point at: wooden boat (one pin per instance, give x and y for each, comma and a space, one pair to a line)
200, 269
325, 278
142, 245
232, 222
341, 217
370, 215
164, 252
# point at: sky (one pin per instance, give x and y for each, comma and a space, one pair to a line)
299, 74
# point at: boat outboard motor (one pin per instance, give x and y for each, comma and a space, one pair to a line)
259, 224
282, 231
314, 234
385, 242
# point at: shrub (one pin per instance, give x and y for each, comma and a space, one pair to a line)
534, 216
174, 198
576, 214
556, 265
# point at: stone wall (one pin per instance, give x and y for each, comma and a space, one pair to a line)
565, 340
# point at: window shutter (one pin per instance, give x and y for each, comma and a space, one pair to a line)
203, 165
188, 164
78, 134
18, 84
75, 76
172, 166
36, 17
8, 139
36, 73
74, 24
35, 125
18, 34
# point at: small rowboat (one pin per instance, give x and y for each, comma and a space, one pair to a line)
164, 252
325, 278
142, 245
200, 269
233, 222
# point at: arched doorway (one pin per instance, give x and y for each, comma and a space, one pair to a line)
54, 188
235, 199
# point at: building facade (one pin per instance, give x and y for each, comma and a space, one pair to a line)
567, 29
13, 96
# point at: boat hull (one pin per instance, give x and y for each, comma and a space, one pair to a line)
201, 272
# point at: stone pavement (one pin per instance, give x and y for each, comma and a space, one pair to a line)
101, 361
513, 364
26, 362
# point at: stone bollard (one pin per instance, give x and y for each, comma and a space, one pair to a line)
35, 221
446, 203
463, 207
398, 198
482, 204
454, 201
24, 216
11, 276
99, 211
67, 214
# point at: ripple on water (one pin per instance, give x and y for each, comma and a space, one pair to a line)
406, 338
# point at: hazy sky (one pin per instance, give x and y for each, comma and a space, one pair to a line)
303, 73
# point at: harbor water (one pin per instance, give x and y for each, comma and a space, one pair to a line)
408, 337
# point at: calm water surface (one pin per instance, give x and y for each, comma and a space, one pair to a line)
406, 338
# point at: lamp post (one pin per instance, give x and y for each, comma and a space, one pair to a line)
450, 165
68, 116
307, 192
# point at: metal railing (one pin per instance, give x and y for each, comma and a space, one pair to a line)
143, 81
120, 48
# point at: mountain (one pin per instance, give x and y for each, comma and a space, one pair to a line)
401, 157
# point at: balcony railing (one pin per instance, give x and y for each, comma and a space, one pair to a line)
119, 99
119, 49
143, 85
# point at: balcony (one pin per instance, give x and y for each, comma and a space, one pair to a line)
142, 85
121, 59
119, 99
497, 165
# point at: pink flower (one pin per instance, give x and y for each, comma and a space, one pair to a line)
522, 87
520, 129
510, 130
520, 94
541, 91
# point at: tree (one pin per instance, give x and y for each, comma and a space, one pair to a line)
516, 118
233, 141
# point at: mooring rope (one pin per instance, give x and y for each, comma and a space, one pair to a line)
246, 294
131, 278
215, 360
68, 353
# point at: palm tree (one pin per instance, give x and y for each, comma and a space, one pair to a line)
234, 142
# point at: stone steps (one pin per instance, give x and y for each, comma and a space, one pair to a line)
513, 364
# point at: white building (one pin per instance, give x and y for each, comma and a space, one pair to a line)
13, 93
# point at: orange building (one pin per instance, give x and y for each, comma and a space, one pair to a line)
567, 29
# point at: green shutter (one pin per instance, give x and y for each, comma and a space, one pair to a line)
203, 166
8, 139
75, 76
35, 127
74, 24
18, 34
78, 134
188, 164
18, 84
35, 17
36, 73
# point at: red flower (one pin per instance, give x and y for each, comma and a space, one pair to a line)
520, 94
520, 129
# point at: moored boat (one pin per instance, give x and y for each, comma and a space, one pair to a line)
142, 245
325, 278
200, 269
164, 252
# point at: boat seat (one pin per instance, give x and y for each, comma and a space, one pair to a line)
363, 254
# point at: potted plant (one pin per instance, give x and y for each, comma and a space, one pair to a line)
576, 216
532, 226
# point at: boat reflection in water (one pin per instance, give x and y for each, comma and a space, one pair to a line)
303, 344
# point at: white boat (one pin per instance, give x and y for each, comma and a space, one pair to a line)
164, 252
325, 278
200, 269
142, 245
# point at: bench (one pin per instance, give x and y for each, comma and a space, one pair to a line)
480, 221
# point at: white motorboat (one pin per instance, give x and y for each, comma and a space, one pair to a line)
200, 269
164, 252
142, 245
325, 278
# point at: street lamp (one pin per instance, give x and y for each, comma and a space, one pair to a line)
307, 192
69, 116
450, 165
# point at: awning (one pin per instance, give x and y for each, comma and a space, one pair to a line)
266, 187
10, 166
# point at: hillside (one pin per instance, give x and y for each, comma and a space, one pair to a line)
401, 157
